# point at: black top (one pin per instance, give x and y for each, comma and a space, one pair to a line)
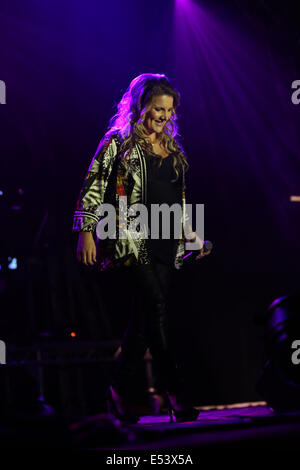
162, 190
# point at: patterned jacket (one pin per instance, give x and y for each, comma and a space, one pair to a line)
108, 178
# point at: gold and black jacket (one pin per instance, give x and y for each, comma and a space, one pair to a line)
108, 179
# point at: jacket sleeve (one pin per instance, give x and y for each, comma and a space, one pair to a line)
188, 230
92, 192
187, 227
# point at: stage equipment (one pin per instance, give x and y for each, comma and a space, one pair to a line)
279, 380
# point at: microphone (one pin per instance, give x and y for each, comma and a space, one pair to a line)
191, 255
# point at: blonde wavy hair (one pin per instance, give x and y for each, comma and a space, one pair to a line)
128, 122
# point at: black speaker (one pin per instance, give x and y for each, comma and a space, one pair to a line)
279, 380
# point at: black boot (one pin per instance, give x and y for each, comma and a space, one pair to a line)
117, 406
180, 407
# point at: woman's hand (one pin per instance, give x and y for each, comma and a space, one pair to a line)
86, 248
202, 252
199, 245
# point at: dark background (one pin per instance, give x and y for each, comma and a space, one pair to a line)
66, 65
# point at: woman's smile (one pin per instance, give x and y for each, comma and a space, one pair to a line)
159, 114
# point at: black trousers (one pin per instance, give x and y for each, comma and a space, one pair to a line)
148, 327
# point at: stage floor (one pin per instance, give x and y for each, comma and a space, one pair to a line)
241, 425
226, 426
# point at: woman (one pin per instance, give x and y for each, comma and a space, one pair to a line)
140, 161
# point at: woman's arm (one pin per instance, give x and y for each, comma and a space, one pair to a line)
90, 198
91, 195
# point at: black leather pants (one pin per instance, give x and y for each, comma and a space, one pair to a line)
148, 327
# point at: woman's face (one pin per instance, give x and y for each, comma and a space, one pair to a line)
160, 112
